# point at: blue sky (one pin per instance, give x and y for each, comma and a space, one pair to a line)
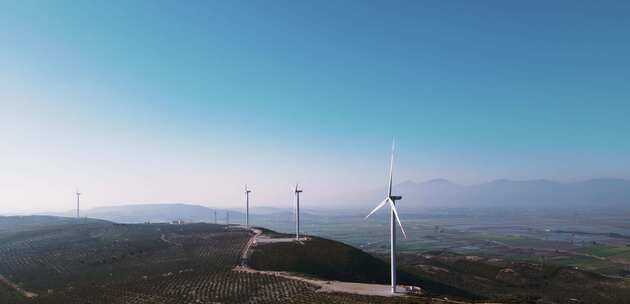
162, 101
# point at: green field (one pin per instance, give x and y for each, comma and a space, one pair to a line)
608, 251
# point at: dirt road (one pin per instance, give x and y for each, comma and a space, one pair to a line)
7, 282
324, 286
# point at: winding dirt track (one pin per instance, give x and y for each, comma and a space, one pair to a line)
7, 282
252, 240
324, 286
330, 286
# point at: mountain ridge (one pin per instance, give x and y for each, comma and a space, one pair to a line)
417, 196
442, 193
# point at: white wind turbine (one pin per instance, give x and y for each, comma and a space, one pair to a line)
78, 195
247, 192
391, 199
297, 212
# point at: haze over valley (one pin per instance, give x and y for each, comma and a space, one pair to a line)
307, 152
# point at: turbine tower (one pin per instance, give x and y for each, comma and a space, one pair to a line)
247, 192
297, 212
215, 216
78, 195
227, 218
391, 199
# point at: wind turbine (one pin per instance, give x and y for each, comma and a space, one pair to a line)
78, 195
391, 199
297, 212
215, 216
247, 192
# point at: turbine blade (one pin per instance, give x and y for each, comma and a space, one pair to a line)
378, 207
391, 168
391, 203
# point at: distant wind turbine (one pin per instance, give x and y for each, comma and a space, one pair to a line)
247, 192
78, 195
215, 216
297, 211
391, 199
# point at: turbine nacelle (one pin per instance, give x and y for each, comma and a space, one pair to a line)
391, 200
297, 190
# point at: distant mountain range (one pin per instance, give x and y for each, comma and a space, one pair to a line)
441, 193
417, 197
160, 213
140, 213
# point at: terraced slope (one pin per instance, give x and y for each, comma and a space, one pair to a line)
104, 263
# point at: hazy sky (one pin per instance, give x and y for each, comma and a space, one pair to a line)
152, 101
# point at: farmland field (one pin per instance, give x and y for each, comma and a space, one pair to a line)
596, 241
517, 282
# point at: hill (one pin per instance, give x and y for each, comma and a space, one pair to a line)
331, 260
14, 224
106, 263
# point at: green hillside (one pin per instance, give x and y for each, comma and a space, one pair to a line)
331, 260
